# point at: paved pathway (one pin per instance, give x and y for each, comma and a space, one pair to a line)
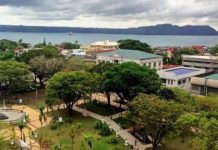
122, 133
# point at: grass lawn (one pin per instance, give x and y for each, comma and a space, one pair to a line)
100, 108
87, 128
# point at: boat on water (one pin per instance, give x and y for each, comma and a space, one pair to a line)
71, 33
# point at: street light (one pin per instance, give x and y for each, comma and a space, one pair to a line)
60, 120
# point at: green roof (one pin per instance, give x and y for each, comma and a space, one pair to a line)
213, 77
131, 54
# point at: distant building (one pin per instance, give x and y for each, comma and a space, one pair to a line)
210, 63
123, 55
179, 76
101, 46
206, 85
72, 52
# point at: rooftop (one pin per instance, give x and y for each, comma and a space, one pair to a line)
105, 43
180, 72
212, 77
200, 57
130, 54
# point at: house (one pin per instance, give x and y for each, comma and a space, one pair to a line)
123, 55
210, 63
179, 76
205, 85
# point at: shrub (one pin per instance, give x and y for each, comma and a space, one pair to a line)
98, 124
105, 130
112, 140
54, 125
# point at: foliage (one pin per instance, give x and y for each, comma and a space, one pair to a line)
214, 50
167, 94
101, 68
68, 87
103, 127
207, 103
177, 55
135, 45
7, 45
153, 116
77, 64
129, 79
7, 55
68, 45
113, 140
203, 130
14, 76
45, 68
47, 51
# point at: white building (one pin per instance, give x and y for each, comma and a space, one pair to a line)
124, 55
179, 76
102, 46
210, 63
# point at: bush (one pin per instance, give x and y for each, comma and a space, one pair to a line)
105, 130
103, 127
98, 124
112, 140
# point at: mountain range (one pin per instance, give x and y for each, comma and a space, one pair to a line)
162, 29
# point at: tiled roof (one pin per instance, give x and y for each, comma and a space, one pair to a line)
130, 54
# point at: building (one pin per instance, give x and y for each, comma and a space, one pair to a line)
72, 52
210, 63
124, 55
206, 85
101, 46
179, 76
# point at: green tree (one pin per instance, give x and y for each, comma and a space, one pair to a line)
68, 45
207, 103
134, 44
47, 51
77, 64
167, 94
153, 116
42, 118
69, 87
203, 130
45, 68
14, 77
7, 55
22, 125
7, 45
214, 50
129, 79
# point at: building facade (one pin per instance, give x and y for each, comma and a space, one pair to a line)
206, 85
179, 76
210, 63
123, 55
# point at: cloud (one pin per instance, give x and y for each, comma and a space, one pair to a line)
109, 13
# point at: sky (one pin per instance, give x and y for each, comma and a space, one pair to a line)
108, 13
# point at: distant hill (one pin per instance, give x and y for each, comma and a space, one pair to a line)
162, 29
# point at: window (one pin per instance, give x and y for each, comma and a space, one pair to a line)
171, 82
116, 61
184, 81
179, 82
155, 64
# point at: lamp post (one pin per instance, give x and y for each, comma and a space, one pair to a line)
60, 120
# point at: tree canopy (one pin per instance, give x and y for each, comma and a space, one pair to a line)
47, 51
14, 76
153, 117
69, 87
45, 68
129, 79
214, 50
135, 45
68, 45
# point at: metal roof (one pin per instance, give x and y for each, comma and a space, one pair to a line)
130, 54
212, 77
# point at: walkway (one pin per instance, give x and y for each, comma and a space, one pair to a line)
124, 134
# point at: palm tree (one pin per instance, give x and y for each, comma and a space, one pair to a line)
42, 118
21, 125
